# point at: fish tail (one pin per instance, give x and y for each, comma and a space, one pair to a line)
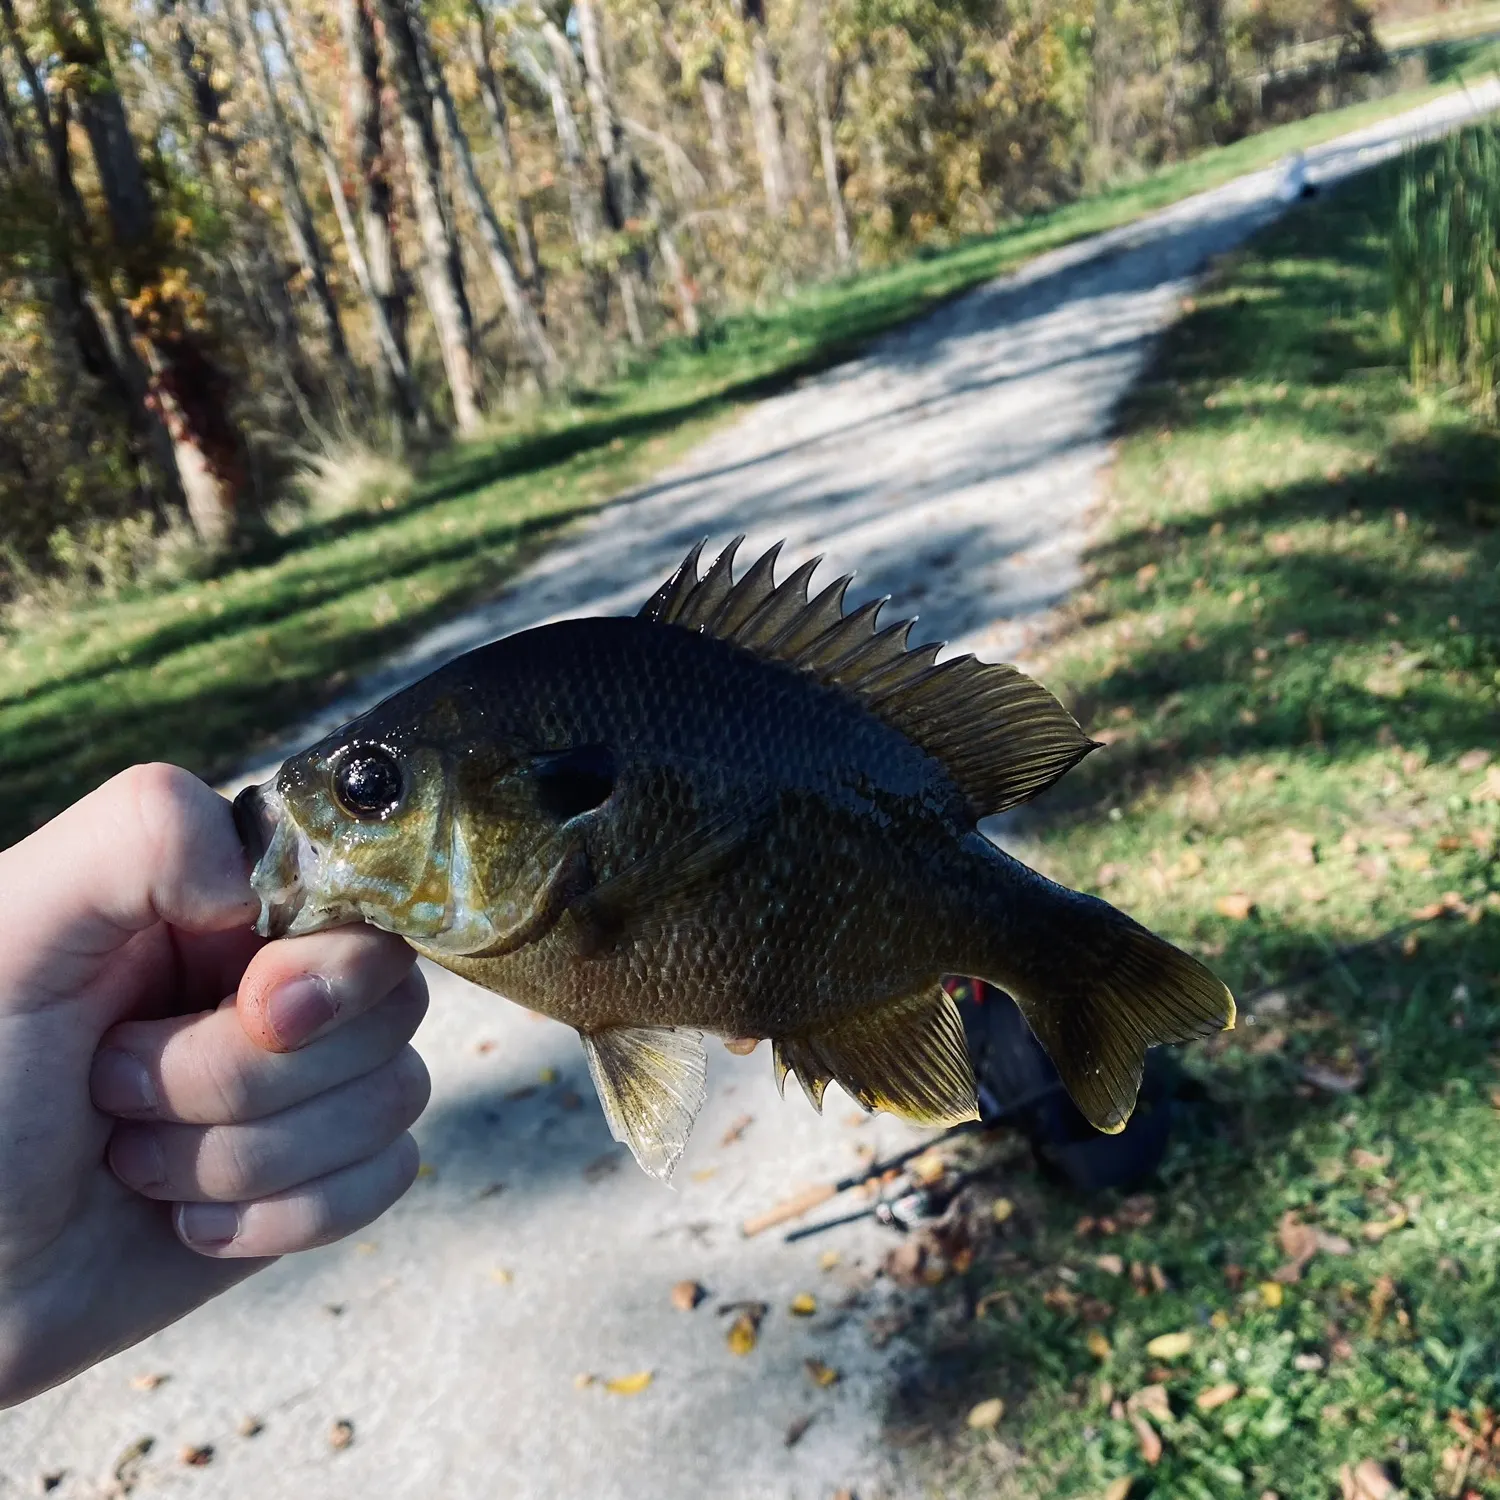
1096, 987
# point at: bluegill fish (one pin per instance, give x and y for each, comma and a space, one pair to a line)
742, 812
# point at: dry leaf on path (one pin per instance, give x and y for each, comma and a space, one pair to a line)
196, 1456
341, 1434
250, 1427
819, 1373
803, 1305
1377, 1229
736, 1130
743, 1333
797, 1427
986, 1414
150, 1381
1146, 1436
828, 1260
686, 1295
1170, 1345
629, 1385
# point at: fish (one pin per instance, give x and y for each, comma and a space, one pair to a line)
750, 812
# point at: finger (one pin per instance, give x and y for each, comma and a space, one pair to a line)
316, 1213
204, 1069
152, 844
303, 987
236, 1163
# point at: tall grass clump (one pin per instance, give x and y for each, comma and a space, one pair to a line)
1445, 264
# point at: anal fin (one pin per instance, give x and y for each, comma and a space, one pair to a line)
907, 1057
651, 1082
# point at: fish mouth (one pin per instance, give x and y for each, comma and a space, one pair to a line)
276, 848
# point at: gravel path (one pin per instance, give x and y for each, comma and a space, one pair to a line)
954, 465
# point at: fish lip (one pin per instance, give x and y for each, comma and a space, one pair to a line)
273, 843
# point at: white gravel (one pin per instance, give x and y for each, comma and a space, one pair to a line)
954, 465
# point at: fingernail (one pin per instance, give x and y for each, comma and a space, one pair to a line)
208, 1226
300, 1007
120, 1083
136, 1159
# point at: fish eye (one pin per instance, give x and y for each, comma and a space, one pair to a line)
367, 782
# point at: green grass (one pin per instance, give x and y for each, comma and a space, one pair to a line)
207, 672
1291, 639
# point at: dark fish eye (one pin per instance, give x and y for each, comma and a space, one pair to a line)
367, 782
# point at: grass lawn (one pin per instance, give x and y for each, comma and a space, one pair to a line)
1291, 640
205, 673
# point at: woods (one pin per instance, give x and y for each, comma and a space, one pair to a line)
234, 230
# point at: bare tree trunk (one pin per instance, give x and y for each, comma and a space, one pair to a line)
760, 90
830, 156
182, 387
392, 353
581, 208
442, 269
482, 48
388, 281
711, 91
535, 346
879, 177
621, 172
301, 228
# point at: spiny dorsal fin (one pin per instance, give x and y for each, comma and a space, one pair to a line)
1001, 736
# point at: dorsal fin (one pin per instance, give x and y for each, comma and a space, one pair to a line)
999, 735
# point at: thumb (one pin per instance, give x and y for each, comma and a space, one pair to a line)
153, 844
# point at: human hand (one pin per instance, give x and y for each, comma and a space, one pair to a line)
159, 1142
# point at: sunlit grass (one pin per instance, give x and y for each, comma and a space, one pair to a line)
1291, 640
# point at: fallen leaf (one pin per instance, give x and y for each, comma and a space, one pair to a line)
1346, 1080
1368, 1161
583, 1381
1216, 1395
426, 1170
803, 1305
738, 1129
819, 1373
1118, 1489
1367, 1480
1272, 1293
1308, 1364
1112, 1265
1170, 1345
1473, 760
797, 1427
197, 1456
46, 1483
629, 1385
1153, 1400
1146, 1436
927, 1169
151, 1381
743, 1333
501, 1276
1001, 1209
704, 1173
686, 1295
547, 1075
1377, 1229
341, 1434
828, 1260
986, 1414
1237, 906
1097, 1344
127, 1470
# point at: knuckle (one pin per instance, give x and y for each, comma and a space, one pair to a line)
232, 1163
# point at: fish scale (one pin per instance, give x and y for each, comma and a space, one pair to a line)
744, 812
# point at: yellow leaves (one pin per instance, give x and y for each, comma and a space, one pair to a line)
1300, 1242
1153, 1401
1118, 1489
803, 1305
1216, 1396
1111, 1265
1001, 1210
1170, 1345
1148, 1439
986, 1415
1097, 1344
828, 1260
819, 1373
629, 1385
927, 1169
547, 1076
1272, 1293
501, 1276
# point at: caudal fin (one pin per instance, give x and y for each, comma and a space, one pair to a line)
1098, 989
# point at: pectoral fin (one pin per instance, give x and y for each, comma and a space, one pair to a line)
907, 1057
651, 1083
